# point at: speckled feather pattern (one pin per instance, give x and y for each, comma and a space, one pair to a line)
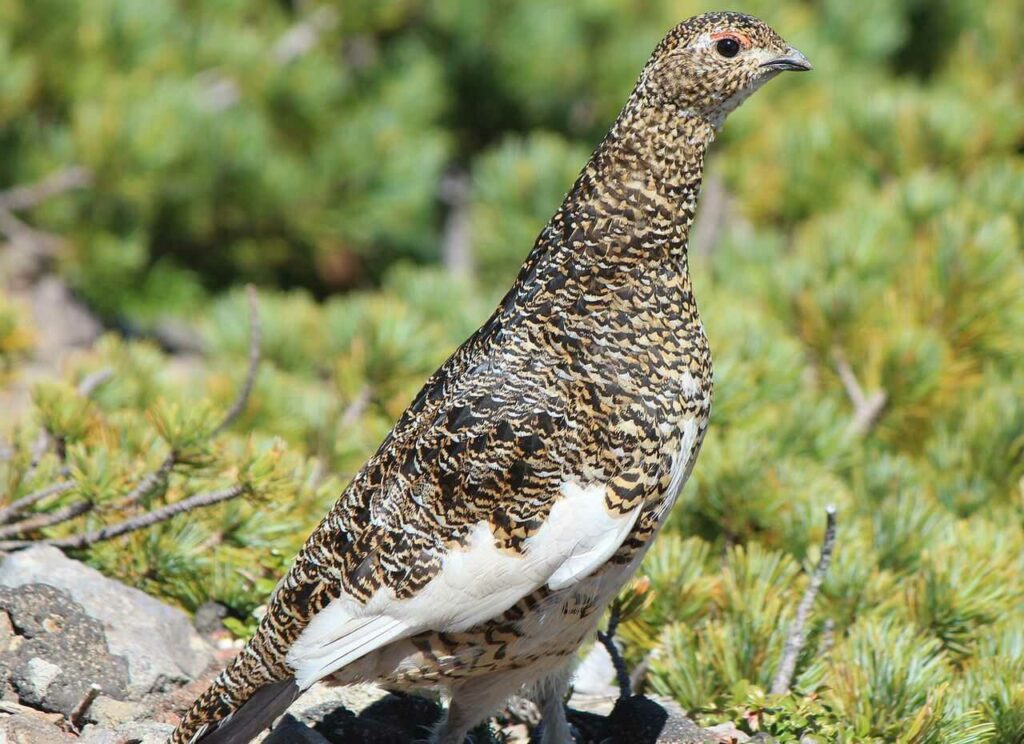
592, 370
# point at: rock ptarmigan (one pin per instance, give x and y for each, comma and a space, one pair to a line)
477, 548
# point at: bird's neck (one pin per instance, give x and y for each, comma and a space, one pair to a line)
635, 200
617, 245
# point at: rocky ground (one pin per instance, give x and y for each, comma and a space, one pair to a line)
86, 659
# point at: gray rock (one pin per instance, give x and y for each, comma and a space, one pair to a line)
138, 732
63, 321
291, 731
210, 617
678, 727
22, 729
159, 643
640, 720
110, 712
55, 651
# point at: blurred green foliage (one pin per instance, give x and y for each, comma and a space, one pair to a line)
875, 210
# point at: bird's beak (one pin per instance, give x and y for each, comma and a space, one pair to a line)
791, 60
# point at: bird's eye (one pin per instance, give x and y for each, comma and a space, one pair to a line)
728, 47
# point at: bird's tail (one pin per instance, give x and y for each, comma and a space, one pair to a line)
241, 702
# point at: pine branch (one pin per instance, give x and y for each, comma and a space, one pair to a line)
86, 387
146, 485
150, 481
13, 509
797, 636
142, 521
48, 519
255, 333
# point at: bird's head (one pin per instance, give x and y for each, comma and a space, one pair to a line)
708, 65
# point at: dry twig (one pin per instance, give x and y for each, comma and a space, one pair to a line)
75, 719
355, 408
456, 236
302, 37
46, 519
866, 408
16, 507
149, 482
797, 636
15, 709
88, 384
32, 195
255, 333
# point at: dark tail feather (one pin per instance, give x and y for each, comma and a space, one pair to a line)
233, 709
258, 712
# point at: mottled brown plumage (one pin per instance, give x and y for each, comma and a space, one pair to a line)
476, 549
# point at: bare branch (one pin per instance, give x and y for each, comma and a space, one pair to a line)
797, 636
39, 448
866, 408
90, 382
607, 639
156, 516
34, 194
255, 333
16, 507
865, 418
48, 519
355, 408
456, 236
19, 231
13, 708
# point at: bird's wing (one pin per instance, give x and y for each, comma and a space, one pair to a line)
475, 582
496, 495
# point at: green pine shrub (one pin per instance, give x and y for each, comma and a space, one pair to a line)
874, 219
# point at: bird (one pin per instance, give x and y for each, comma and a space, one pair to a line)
476, 550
